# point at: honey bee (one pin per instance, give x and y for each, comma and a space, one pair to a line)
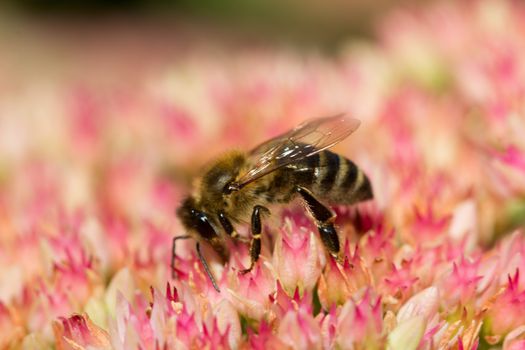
238, 187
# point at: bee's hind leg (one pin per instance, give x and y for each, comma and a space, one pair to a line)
324, 218
255, 246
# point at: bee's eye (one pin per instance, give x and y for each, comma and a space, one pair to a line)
202, 225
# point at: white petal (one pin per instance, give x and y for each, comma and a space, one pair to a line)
407, 335
121, 282
424, 303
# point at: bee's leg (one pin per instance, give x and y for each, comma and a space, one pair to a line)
255, 246
206, 267
173, 253
324, 218
229, 229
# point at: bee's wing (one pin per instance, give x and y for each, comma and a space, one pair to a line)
303, 141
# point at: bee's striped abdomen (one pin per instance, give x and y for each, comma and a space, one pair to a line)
334, 178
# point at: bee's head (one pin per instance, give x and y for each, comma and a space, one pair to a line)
194, 219
218, 178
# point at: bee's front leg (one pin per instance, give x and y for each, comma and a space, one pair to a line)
255, 246
230, 230
324, 218
173, 254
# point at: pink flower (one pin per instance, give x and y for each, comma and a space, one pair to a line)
511, 258
296, 257
131, 327
515, 339
190, 324
377, 250
251, 295
462, 283
424, 306
339, 282
505, 313
512, 156
12, 329
266, 338
507, 168
78, 332
354, 324
282, 302
364, 324
299, 329
75, 276
333, 285
427, 229
400, 282
424, 303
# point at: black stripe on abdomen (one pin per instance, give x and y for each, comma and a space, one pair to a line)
329, 171
348, 182
305, 170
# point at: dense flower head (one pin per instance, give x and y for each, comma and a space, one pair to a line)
297, 257
505, 311
89, 185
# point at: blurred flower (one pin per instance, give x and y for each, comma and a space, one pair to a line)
462, 282
78, 332
515, 339
504, 315
427, 228
12, 329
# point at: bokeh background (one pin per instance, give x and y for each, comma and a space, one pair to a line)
108, 110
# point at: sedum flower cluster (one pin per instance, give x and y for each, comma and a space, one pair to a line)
90, 175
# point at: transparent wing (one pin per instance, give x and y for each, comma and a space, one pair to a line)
303, 141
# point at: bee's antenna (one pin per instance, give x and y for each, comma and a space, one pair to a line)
206, 267
173, 253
